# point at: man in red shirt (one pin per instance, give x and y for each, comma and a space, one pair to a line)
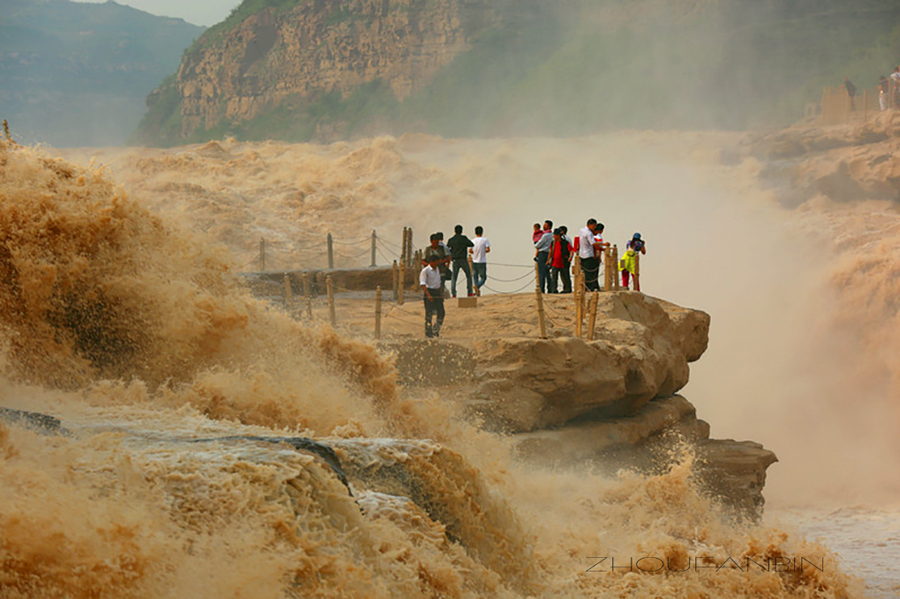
559, 259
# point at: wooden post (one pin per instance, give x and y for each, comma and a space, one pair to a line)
403, 248
592, 320
378, 312
537, 275
409, 248
396, 279
288, 293
637, 271
307, 291
262, 254
578, 292
401, 275
331, 315
417, 261
374, 241
540, 308
330, 243
616, 267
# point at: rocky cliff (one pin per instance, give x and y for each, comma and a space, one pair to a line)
298, 70
300, 52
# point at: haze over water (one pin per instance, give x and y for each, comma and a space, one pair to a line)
150, 513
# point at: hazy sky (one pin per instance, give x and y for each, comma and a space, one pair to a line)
198, 12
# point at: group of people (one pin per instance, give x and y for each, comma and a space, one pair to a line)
887, 87
444, 261
554, 252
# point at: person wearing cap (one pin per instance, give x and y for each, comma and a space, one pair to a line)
628, 262
440, 250
433, 295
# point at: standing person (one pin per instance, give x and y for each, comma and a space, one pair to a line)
433, 295
628, 262
480, 248
564, 273
895, 86
559, 260
598, 237
459, 246
440, 250
589, 252
851, 92
542, 255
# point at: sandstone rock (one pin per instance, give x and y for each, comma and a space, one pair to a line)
641, 350
843, 163
735, 472
594, 440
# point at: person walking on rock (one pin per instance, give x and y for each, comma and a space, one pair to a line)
459, 246
480, 248
433, 295
628, 262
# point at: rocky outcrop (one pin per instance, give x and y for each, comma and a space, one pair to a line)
610, 402
310, 49
641, 350
843, 163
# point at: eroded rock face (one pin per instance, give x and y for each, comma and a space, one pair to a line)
842, 163
641, 350
322, 46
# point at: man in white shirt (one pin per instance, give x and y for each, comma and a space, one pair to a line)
589, 250
433, 294
479, 258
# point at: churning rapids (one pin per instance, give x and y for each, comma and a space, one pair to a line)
121, 314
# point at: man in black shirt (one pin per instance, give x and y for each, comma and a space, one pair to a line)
459, 246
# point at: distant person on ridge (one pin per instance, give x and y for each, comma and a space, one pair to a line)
481, 247
542, 256
628, 262
459, 246
589, 251
851, 92
433, 295
895, 86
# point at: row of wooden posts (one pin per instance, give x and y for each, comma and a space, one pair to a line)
837, 107
580, 293
407, 255
611, 282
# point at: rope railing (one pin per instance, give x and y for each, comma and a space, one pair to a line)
552, 315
